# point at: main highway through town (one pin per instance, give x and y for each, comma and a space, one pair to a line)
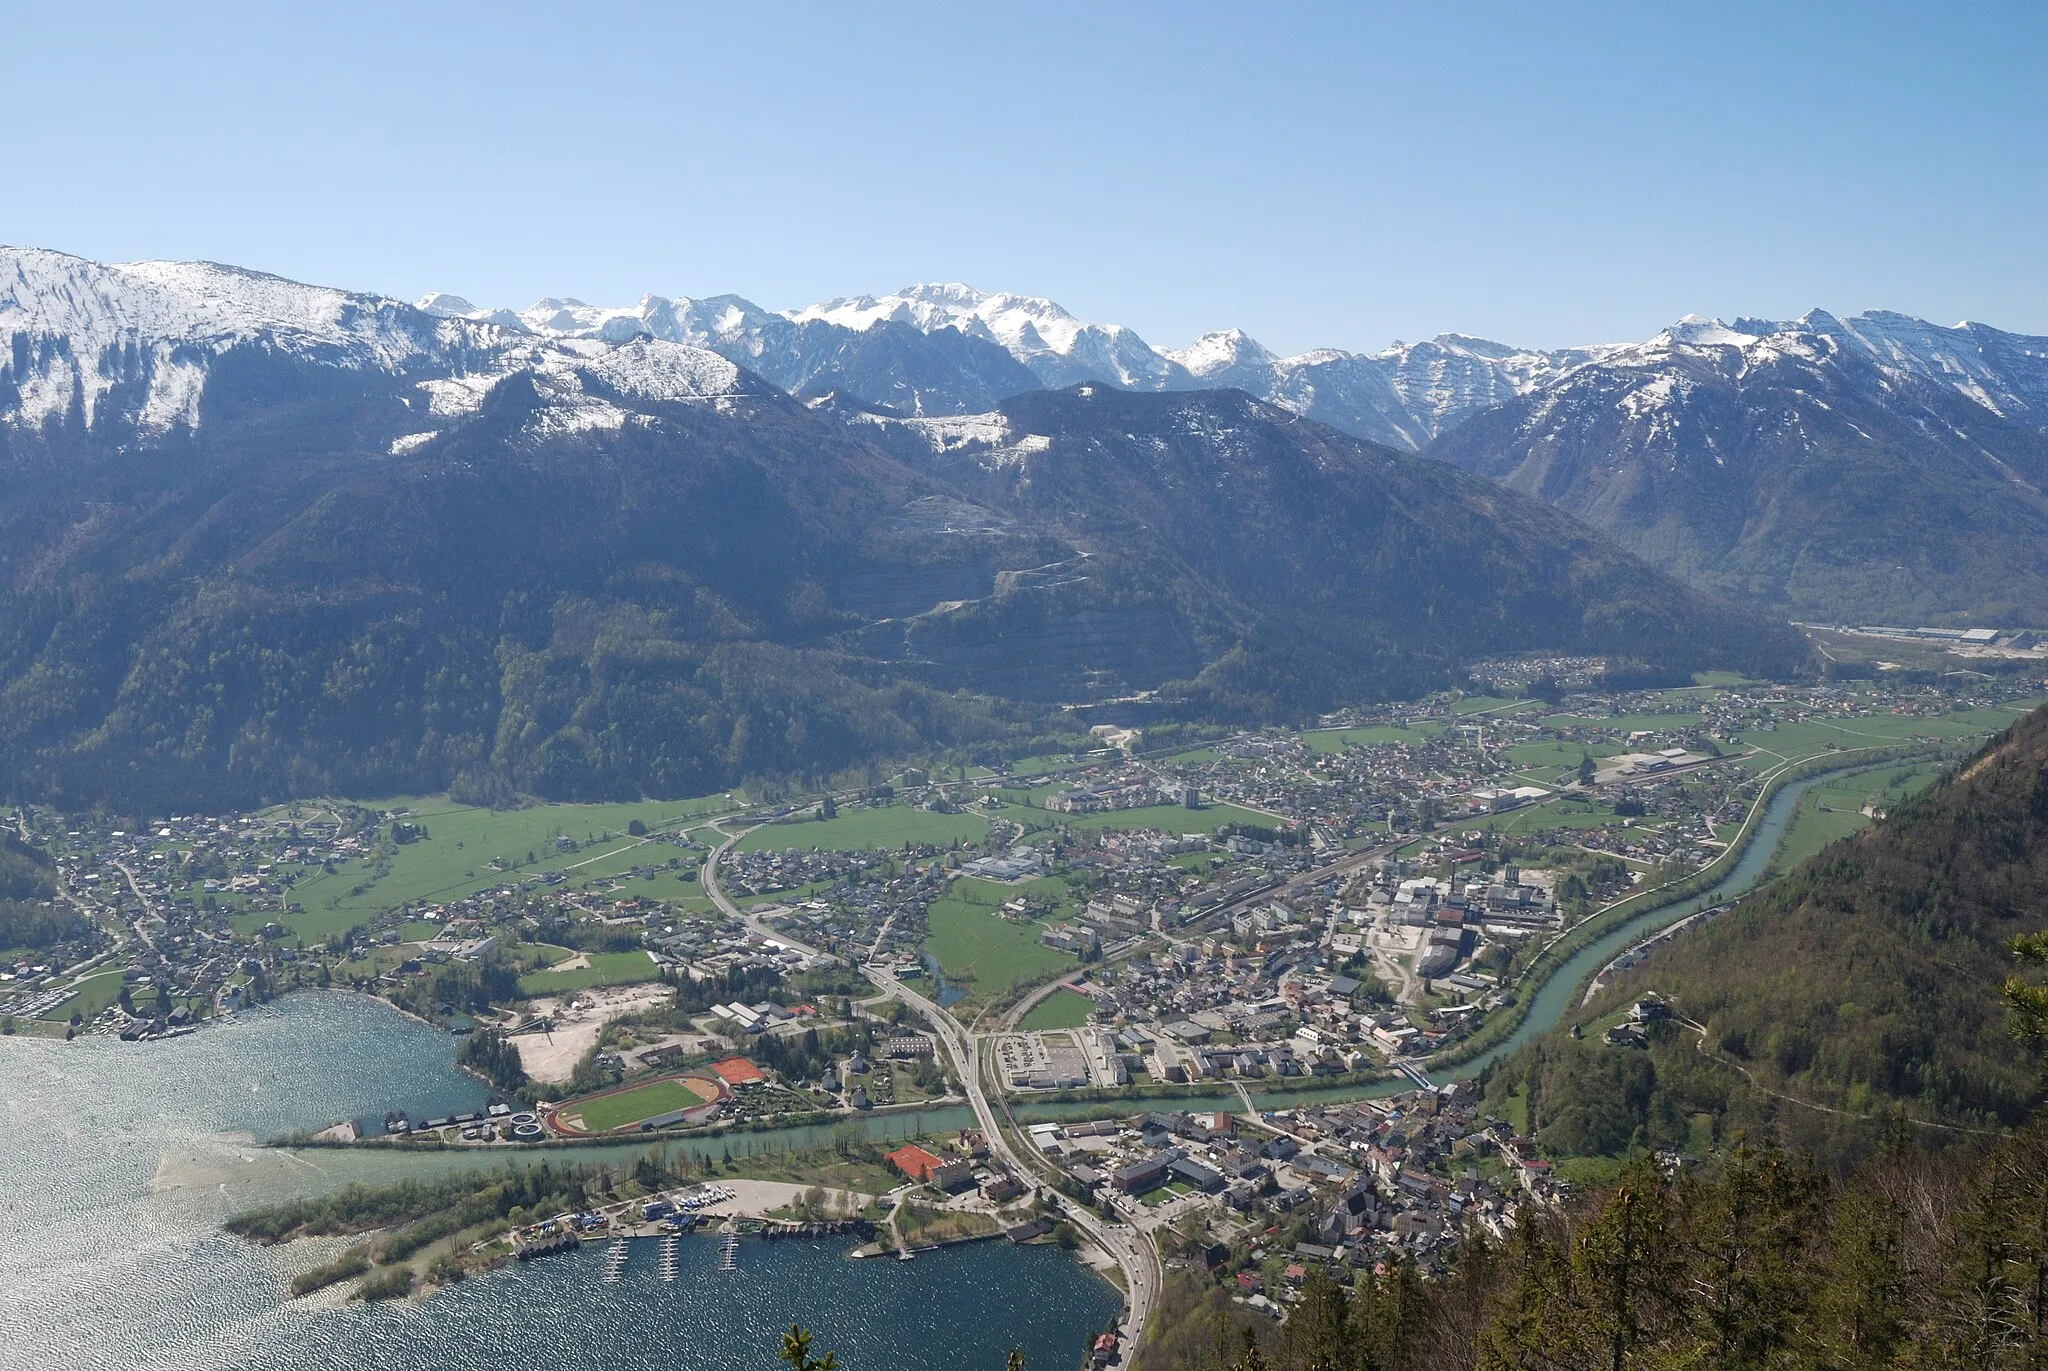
1131, 1249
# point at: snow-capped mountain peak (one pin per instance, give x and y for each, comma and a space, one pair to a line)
81, 340
1228, 358
1700, 331
83, 331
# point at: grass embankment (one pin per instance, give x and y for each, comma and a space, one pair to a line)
1061, 1009
921, 1224
436, 1223
440, 1231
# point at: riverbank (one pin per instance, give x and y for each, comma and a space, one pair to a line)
1544, 989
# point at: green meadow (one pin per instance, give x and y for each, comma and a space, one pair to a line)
605, 968
867, 830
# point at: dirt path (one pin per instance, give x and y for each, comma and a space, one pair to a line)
1700, 1042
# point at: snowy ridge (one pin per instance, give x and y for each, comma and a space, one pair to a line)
79, 331
1405, 395
127, 350
1059, 348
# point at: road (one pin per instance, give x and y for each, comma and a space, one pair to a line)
1131, 1250
141, 899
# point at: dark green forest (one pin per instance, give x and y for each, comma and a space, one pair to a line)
276, 604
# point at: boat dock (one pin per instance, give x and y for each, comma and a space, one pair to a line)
670, 1256
729, 1259
615, 1260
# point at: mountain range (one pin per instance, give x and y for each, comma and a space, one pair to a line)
259, 538
1871, 468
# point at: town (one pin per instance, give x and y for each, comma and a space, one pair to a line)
1246, 960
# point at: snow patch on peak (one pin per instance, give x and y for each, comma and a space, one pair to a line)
444, 305
652, 370
1700, 331
573, 319
1228, 351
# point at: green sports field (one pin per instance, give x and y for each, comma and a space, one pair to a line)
625, 1107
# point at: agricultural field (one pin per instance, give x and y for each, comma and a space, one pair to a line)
1492, 704
453, 860
1337, 739
600, 968
1792, 742
1553, 816
1038, 766
983, 953
1625, 724
1543, 763
1164, 818
1061, 1009
978, 891
1030, 797
867, 830
1834, 810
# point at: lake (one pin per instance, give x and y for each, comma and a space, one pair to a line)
119, 1160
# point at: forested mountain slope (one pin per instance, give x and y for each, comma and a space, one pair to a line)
261, 539
1867, 978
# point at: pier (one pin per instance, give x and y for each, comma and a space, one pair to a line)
615, 1260
670, 1258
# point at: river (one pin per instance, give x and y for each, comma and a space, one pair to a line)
119, 1160
1558, 992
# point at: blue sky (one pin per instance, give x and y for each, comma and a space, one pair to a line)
1336, 175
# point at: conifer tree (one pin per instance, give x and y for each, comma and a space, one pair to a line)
1626, 1259
1859, 1302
